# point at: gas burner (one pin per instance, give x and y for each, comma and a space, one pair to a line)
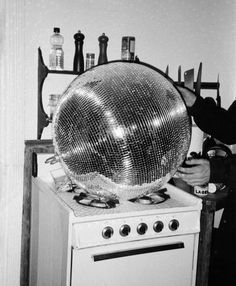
95, 201
153, 198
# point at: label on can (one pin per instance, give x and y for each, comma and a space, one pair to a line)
201, 191
127, 48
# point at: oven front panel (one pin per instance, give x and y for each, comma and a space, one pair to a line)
163, 261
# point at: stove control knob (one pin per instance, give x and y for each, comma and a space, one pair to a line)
107, 232
125, 230
142, 228
173, 224
158, 226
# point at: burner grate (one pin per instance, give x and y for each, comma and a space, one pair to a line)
152, 198
95, 201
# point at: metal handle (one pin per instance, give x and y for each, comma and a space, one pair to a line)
138, 251
52, 160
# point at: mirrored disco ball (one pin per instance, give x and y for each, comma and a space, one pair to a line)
121, 129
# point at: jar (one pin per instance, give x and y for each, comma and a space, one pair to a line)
127, 48
53, 100
90, 59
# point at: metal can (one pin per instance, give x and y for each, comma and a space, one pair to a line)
90, 58
128, 48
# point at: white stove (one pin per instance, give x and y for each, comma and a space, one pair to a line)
130, 245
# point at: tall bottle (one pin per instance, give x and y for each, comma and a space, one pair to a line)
78, 64
103, 39
56, 55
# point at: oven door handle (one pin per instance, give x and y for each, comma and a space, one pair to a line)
143, 250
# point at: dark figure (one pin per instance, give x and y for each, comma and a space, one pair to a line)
221, 124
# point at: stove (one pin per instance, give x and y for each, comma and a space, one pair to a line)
128, 244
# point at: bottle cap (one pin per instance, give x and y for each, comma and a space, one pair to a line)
56, 30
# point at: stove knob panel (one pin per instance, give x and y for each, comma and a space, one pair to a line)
158, 226
125, 230
107, 232
142, 228
173, 224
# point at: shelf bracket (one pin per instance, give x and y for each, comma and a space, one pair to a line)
43, 118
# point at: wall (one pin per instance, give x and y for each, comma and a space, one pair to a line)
184, 32
167, 32
11, 138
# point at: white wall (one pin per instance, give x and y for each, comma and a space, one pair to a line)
11, 138
184, 32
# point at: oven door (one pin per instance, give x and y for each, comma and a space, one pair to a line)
164, 261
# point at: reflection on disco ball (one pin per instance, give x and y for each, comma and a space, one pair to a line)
121, 129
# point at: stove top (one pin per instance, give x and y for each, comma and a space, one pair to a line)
128, 220
92, 200
178, 201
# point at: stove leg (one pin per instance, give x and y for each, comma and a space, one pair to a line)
204, 248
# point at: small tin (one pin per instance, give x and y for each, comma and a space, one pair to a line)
201, 191
90, 59
127, 48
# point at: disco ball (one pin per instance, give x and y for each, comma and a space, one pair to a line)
121, 129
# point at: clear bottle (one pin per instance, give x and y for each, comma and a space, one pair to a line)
56, 55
